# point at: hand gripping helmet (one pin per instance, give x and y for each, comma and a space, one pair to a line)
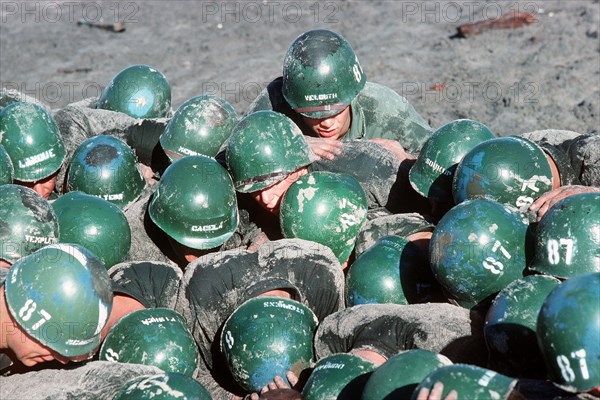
32, 140
27, 222
390, 271
94, 223
6, 167
167, 386
321, 74
106, 167
199, 126
263, 149
61, 296
477, 248
152, 336
510, 326
431, 175
510, 170
139, 91
471, 382
195, 203
567, 238
338, 376
398, 376
568, 329
325, 208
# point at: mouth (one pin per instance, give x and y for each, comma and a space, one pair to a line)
327, 133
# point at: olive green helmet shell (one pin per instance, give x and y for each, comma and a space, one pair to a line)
390, 271
6, 167
31, 138
568, 329
511, 170
27, 222
94, 223
61, 296
139, 91
398, 376
338, 376
263, 149
325, 208
199, 126
471, 382
195, 203
321, 74
431, 175
152, 336
167, 386
106, 167
477, 248
266, 337
567, 238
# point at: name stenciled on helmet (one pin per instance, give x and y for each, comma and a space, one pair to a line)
37, 158
207, 228
320, 97
437, 168
110, 197
280, 304
329, 365
40, 239
157, 320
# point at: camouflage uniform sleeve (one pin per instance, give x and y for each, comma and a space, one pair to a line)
584, 154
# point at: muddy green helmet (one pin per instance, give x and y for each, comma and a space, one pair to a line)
61, 296
390, 271
265, 337
31, 138
152, 336
6, 167
167, 386
94, 223
567, 238
568, 328
263, 149
321, 74
510, 170
27, 222
510, 327
398, 376
199, 126
339, 376
195, 203
471, 382
139, 91
477, 248
431, 175
106, 167
326, 208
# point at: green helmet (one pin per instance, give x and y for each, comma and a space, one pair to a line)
568, 328
61, 296
510, 170
390, 271
152, 336
27, 222
195, 203
567, 238
398, 376
6, 167
431, 175
32, 139
94, 223
471, 382
321, 74
338, 376
199, 126
326, 208
266, 337
139, 91
477, 248
510, 326
263, 149
167, 386
106, 167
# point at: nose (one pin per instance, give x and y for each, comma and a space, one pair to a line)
266, 197
327, 122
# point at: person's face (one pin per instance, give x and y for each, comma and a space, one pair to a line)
331, 127
4, 264
44, 186
270, 198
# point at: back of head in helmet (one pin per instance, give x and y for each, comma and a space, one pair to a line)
263, 149
6, 167
139, 91
32, 140
167, 386
321, 74
106, 167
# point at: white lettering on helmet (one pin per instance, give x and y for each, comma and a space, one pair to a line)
320, 97
207, 228
40, 239
36, 159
